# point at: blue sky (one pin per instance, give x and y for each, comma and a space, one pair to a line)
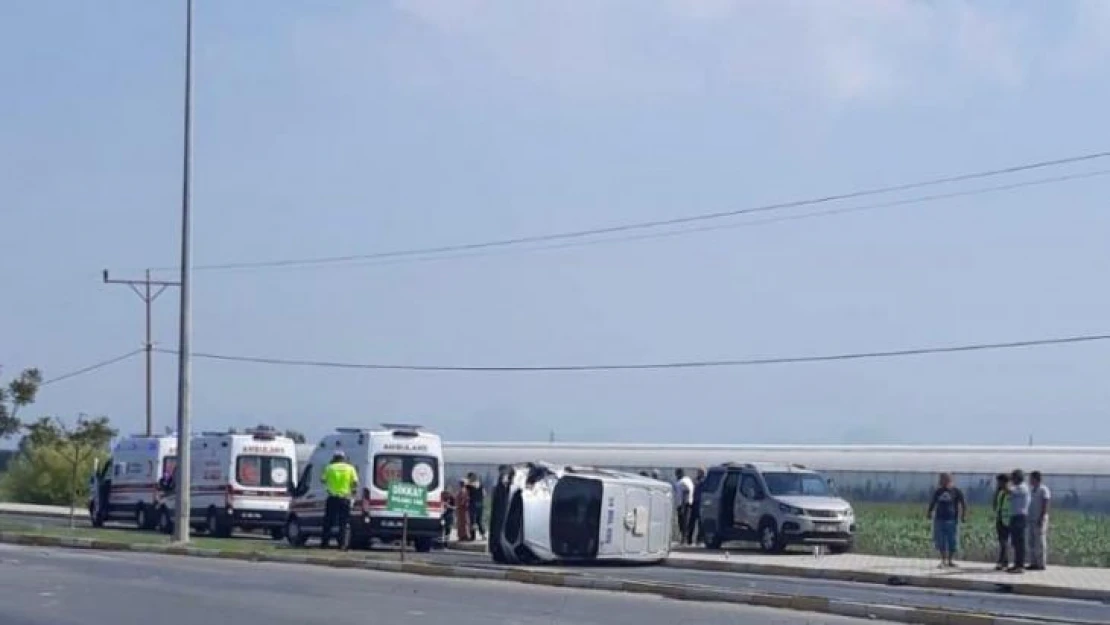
330, 128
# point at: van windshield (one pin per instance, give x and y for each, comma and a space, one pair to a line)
575, 517
263, 471
797, 484
420, 470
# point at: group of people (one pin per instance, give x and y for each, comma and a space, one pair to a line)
1020, 514
464, 506
687, 500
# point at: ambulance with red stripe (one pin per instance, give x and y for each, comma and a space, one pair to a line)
392, 453
125, 487
238, 481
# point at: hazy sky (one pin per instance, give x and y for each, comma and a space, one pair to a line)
330, 128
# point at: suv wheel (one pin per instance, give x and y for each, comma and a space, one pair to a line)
770, 539
712, 540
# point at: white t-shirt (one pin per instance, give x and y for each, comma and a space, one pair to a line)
684, 491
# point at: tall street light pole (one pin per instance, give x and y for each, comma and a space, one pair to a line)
184, 460
148, 296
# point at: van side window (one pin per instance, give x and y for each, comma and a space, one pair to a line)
749, 487
712, 481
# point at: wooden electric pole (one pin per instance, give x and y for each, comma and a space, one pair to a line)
148, 290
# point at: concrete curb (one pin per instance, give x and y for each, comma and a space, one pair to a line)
917, 616
886, 579
867, 577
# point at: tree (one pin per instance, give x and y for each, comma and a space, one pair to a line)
17, 394
53, 455
297, 437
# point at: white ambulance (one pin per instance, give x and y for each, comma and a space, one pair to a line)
125, 487
548, 513
395, 453
238, 481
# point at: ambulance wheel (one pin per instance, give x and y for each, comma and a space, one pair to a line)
216, 525
95, 518
165, 522
423, 545
142, 518
293, 534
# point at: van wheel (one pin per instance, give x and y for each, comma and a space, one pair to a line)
423, 545
293, 534
216, 526
770, 539
142, 518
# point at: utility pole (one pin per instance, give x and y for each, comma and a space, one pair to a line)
148, 296
184, 456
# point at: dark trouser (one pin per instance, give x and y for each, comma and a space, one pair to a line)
337, 510
683, 521
1017, 538
448, 522
1003, 534
692, 526
476, 517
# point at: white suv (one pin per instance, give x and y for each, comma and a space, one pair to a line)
775, 505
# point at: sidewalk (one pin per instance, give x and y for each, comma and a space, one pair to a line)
1058, 581
26, 509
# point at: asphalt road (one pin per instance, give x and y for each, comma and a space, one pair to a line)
61, 587
994, 603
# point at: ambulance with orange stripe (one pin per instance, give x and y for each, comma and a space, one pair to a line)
392, 453
125, 487
238, 480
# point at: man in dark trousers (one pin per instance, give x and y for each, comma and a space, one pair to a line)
477, 495
1020, 497
694, 521
341, 481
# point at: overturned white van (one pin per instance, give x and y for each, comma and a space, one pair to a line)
548, 513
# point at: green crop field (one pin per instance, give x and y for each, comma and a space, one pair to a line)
1074, 538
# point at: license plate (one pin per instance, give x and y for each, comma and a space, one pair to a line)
827, 528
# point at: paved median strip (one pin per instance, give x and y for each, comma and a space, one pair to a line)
389, 563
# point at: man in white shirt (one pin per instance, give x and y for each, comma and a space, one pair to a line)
684, 501
1038, 522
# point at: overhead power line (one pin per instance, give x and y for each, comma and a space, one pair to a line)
693, 364
643, 236
91, 368
627, 227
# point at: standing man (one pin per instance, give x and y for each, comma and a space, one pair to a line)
695, 510
1001, 507
947, 509
1019, 518
476, 494
341, 481
684, 501
1038, 522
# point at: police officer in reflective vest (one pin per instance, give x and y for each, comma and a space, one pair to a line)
341, 481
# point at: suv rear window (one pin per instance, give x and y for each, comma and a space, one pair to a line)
712, 481
419, 470
263, 471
